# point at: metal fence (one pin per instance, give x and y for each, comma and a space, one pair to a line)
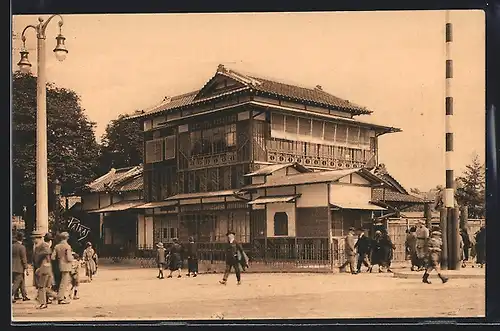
278, 253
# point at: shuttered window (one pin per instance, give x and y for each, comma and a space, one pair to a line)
170, 148
329, 131
154, 151
341, 134
353, 135
304, 127
277, 122
317, 129
291, 124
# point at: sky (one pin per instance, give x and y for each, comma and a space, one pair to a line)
393, 63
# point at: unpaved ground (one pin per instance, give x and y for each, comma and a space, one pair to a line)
120, 294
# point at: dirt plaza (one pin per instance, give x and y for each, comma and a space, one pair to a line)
136, 294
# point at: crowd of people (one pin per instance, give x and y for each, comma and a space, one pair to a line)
173, 258
470, 246
377, 251
423, 249
56, 268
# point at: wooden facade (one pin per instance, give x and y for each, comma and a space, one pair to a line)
208, 140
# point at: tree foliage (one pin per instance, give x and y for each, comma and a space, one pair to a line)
71, 145
121, 145
470, 189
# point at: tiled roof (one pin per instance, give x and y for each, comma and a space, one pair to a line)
135, 184
394, 196
309, 178
262, 85
120, 180
275, 167
174, 102
118, 206
315, 95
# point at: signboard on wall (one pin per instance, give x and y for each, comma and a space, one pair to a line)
76, 228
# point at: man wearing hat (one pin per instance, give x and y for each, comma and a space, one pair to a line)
235, 258
19, 267
42, 268
64, 255
350, 252
363, 245
160, 259
434, 245
422, 237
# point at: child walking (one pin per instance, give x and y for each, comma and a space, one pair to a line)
160, 259
75, 276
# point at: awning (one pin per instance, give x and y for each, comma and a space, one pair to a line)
119, 206
356, 205
156, 204
264, 200
198, 195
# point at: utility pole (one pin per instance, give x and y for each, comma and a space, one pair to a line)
449, 193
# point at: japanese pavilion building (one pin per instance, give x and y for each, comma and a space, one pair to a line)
275, 163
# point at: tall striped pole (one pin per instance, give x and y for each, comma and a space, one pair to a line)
449, 198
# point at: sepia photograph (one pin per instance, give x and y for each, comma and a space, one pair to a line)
242, 166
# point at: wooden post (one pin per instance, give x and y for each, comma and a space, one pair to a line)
428, 215
454, 241
330, 234
444, 232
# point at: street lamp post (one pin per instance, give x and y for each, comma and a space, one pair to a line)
42, 212
57, 205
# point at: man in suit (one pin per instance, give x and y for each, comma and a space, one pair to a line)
19, 267
64, 255
42, 269
363, 245
233, 252
350, 252
422, 234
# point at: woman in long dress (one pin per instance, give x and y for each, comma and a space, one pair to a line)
175, 261
89, 259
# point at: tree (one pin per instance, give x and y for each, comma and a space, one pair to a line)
71, 145
122, 144
470, 189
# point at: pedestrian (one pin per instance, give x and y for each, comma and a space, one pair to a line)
88, 258
388, 248
465, 239
75, 276
481, 246
19, 267
434, 246
363, 246
192, 257
96, 261
43, 269
422, 236
56, 273
411, 248
64, 255
175, 261
350, 252
235, 258
160, 259
378, 255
